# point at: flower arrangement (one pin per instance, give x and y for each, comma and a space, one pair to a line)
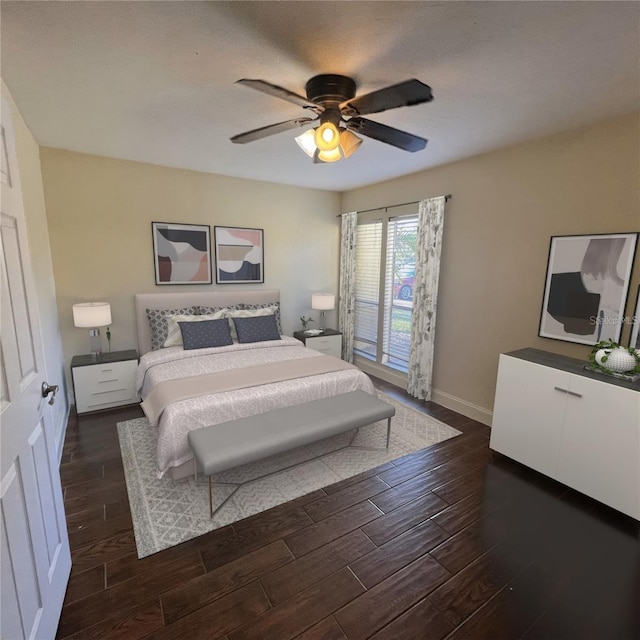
305, 322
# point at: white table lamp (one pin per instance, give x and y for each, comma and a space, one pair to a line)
91, 315
323, 302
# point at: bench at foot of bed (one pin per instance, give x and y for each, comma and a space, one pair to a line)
231, 444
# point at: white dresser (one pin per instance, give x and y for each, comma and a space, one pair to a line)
578, 427
105, 382
328, 342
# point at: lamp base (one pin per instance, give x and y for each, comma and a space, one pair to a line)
95, 343
322, 322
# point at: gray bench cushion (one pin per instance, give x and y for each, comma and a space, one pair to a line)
230, 444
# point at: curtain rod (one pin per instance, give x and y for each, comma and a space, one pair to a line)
391, 206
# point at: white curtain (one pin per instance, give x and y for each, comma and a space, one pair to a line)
347, 301
425, 296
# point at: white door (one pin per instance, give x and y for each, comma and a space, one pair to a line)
35, 558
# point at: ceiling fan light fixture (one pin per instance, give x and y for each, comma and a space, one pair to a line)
332, 99
332, 155
307, 142
327, 137
349, 142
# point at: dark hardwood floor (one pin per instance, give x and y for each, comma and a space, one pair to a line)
448, 542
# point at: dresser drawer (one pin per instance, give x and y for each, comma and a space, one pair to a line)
104, 385
329, 345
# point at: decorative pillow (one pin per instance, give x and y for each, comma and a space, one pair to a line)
275, 309
174, 335
209, 310
208, 333
158, 323
247, 313
257, 329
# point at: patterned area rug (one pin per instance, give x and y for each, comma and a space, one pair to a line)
166, 512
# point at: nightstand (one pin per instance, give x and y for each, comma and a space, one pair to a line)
328, 342
104, 381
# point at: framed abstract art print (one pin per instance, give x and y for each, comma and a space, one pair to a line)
587, 286
181, 253
239, 255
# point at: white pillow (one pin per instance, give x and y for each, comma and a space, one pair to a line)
246, 313
174, 335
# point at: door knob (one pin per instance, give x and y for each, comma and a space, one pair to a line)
49, 389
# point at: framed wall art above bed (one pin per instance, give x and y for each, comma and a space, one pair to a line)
586, 287
181, 253
239, 255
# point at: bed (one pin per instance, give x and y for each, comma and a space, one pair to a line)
220, 384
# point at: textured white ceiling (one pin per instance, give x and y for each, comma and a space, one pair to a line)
154, 81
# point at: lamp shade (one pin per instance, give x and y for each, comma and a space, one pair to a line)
323, 301
329, 156
91, 314
327, 136
307, 143
349, 142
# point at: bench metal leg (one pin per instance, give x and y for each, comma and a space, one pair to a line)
388, 431
210, 499
195, 476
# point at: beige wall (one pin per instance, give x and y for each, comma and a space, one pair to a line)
505, 207
100, 212
28, 157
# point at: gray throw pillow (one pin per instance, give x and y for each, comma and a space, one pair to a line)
207, 333
275, 305
158, 323
257, 329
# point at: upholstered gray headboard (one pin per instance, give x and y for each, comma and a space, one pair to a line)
144, 301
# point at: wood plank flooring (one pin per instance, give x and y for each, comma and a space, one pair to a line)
449, 542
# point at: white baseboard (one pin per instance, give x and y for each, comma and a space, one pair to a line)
459, 405
454, 403
384, 373
64, 417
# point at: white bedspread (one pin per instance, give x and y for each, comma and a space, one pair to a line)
180, 417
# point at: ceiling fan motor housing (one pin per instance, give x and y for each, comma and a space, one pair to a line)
330, 88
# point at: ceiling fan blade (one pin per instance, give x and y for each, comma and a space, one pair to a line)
384, 133
269, 130
403, 94
280, 92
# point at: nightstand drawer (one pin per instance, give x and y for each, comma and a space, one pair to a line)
104, 399
329, 345
105, 373
104, 385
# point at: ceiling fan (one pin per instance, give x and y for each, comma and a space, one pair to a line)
338, 114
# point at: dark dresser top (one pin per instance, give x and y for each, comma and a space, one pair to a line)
572, 365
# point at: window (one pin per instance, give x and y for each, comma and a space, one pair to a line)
385, 269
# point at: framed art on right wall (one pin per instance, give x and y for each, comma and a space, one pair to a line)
586, 287
635, 324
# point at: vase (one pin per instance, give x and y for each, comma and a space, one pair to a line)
619, 360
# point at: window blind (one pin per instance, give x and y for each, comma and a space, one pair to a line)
398, 299
368, 257
385, 303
